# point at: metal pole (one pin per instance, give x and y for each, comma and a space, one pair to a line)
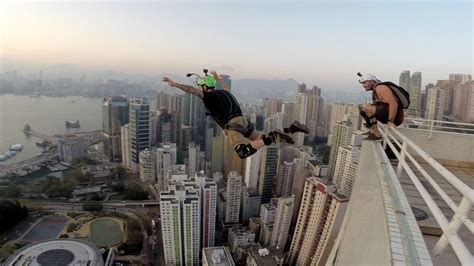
453, 227
402, 158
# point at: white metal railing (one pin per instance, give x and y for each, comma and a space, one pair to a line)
450, 229
438, 125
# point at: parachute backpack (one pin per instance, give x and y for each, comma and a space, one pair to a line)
400, 93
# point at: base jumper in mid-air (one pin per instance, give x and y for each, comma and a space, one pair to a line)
225, 110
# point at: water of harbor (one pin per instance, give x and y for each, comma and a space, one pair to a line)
46, 115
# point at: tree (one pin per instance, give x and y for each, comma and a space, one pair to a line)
136, 192
11, 213
121, 172
10, 191
92, 206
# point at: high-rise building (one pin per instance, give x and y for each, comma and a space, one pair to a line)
200, 121
345, 170
192, 158
284, 178
315, 116
250, 204
435, 103
271, 107
126, 152
460, 78
282, 222
463, 102
233, 192
167, 127
319, 221
268, 213
180, 226
341, 137
415, 90
148, 166
207, 190
139, 129
165, 160
217, 163
300, 114
252, 167
115, 114
404, 81
337, 112
268, 170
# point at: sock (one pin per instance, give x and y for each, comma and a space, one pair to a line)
267, 140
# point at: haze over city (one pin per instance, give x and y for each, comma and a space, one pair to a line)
319, 43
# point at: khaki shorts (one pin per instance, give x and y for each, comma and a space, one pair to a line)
237, 138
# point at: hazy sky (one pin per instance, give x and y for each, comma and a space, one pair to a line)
321, 43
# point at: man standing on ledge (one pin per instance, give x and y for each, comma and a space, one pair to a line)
225, 110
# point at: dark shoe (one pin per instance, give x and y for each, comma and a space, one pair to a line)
372, 137
298, 127
368, 133
279, 137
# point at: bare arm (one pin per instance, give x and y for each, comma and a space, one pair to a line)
219, 80
386, 96
183, 87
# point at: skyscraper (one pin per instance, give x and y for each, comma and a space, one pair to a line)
337, 112
415, 90
319, 221
139, 129
300, 114
192, 159
217, 153
268, 170
282, 222
252, 167
435, 103
180, 225
404, 80
250, 206
115, 114
166, 127
148, 166
315, 111
284, 178
345, 170
463, 102
165, 160
233, 192
340, 137
126, 145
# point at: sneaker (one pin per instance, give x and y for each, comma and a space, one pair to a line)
372, 137
368, 133
298, 127
279, 137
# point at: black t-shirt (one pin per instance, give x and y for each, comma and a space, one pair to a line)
222, 106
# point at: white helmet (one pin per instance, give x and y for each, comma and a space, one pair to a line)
367, 77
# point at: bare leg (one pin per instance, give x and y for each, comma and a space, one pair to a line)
370, 110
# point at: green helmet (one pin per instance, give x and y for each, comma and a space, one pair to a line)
209, 81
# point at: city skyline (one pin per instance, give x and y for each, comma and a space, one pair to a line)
280, 41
